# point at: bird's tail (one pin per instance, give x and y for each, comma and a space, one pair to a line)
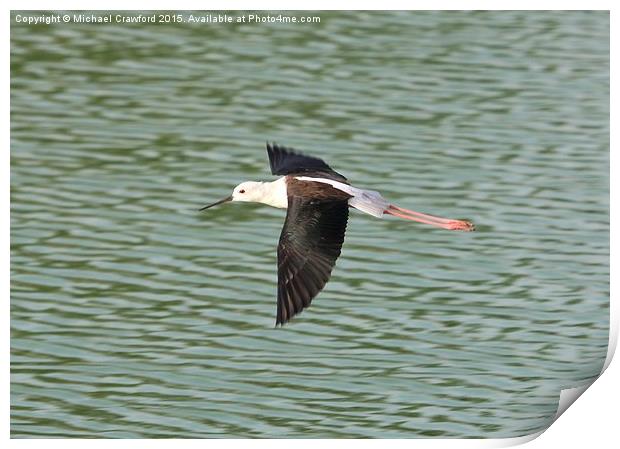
368, 201
445, 223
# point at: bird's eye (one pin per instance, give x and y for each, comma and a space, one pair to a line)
241, 191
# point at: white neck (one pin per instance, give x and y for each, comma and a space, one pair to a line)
274, 194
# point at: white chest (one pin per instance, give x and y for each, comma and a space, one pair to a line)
275, 194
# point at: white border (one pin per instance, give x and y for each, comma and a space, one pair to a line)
588, 422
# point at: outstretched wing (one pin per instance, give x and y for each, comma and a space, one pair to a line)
310, 243
286, 161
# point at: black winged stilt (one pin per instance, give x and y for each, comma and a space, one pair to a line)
317, 200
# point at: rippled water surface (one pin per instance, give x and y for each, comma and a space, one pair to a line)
133, 315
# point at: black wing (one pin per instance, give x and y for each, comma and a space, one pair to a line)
286, 161
310, 243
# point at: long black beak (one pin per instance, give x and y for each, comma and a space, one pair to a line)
225, 200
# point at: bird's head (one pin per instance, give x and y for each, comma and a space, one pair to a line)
246, 191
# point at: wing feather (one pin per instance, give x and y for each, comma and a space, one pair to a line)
287, 161
310, 242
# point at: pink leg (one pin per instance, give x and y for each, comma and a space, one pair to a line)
420, 214
445, 223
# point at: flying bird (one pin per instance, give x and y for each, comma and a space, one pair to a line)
317, 200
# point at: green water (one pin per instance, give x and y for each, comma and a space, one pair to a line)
133, 315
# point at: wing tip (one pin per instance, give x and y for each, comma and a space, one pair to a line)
274, 146
281, 321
